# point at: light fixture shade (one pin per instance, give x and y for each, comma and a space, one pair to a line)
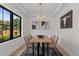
40, 17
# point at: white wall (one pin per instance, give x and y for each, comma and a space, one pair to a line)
8, 47
48, 32
69, 37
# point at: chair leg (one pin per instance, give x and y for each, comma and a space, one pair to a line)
47, 49
38, 46
33, 48
43, 48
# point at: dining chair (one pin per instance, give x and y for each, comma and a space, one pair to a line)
28, 45
30, 36
27, 39
52, 37
52, 45
54, 41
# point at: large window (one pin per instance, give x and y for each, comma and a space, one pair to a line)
10, 25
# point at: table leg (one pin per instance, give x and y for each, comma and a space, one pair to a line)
33, 48
38, 46
43, 48
47, 49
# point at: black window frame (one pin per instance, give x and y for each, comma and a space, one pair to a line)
20, 25
11, 23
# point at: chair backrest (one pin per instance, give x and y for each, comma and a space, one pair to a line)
55, 40
29, 37
25, 39
52, 37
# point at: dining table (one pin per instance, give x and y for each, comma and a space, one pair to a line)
45, 40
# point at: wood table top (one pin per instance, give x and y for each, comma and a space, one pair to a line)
40, 40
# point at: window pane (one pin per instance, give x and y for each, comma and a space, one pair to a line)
0, 24
6, 25
16, 26
6, 17
1, 33
0, 15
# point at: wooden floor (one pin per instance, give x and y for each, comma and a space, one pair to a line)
52, 52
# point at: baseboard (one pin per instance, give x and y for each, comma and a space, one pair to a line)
18, 51
62, 51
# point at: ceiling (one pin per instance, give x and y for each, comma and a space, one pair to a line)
46, 8
32, 9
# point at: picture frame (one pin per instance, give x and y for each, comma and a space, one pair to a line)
35, 25
44, 25
40, 25
66, 20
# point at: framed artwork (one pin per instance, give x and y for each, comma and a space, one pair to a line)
66, 20
44, 25
40, 25
35, 25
